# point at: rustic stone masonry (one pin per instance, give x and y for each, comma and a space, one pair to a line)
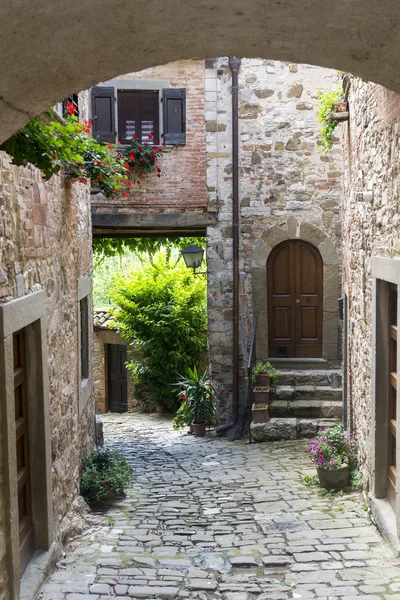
287, 190
370, 229
45, 244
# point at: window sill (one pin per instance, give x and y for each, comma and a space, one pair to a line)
167, 148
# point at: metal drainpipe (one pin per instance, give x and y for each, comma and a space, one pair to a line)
234, 64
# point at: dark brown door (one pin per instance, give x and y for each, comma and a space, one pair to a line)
295, 297
26, 531
117, 378
392, 420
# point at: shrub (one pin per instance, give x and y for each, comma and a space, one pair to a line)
105, 472
162, 311
197, 395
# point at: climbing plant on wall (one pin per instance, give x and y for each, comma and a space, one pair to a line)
325, 108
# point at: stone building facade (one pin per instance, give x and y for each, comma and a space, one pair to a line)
46, 408
371, 260
111, 351
288, 191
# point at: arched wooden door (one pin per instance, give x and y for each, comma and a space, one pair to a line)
295, 300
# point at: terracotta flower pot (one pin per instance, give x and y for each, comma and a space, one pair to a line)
333, 479
199, 429
260, 415
263, 380
191, 428
261, 396
340, 106
161, 409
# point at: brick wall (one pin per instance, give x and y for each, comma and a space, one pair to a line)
182, 185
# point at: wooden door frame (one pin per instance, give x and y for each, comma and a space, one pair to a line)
294, 285
26, 313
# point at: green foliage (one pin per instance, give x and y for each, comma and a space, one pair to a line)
265, 369
309, 480
197, 395
356, 480
260, 405
326, 100
324, 493
105, 472
105, 247
51, 145
161, 309
106, 270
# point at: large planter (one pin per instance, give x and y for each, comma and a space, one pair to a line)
261, 396
199, 429
263, 380
260, 415
333, 479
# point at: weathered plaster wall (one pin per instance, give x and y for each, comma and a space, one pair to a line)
285, 184
45, 243
181, 186
102, 338
371, 150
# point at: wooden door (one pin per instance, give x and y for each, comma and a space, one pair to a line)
117, 378
295, 300
26, 530
392, 400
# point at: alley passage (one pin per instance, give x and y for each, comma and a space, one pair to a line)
207, 518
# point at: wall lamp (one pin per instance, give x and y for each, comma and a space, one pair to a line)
193, 257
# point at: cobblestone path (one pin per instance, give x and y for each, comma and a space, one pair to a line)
207, 518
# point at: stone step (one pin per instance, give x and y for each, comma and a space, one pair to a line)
331, 378
288, 429
306, 392
306, 408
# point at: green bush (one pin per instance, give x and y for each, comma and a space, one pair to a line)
162, 311
326, 100
105, 473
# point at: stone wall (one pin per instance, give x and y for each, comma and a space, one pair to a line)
371, 151
103, 337
45, 244
181, 186
285, 184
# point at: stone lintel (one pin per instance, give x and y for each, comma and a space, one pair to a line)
151, 225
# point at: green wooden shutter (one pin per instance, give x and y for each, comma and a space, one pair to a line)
174, 107
103, 114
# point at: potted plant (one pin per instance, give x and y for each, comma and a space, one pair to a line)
198, 406
329, 103
260, 413
264, 374
334, 454
106, 474
261, 395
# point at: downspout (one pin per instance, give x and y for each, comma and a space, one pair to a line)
234, 64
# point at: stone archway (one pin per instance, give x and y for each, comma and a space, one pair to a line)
50, 49
302, 230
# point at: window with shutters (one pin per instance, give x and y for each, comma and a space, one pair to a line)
153, 115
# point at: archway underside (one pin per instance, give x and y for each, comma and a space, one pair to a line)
50, 50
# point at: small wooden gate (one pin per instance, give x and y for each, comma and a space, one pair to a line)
117, 378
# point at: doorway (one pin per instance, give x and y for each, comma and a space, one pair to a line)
295, 300
117, 378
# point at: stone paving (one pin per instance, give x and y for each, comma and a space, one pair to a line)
207, 518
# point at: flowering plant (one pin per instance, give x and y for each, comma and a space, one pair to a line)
198, 399
332, 448
51, 145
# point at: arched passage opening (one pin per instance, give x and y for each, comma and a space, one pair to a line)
50, 50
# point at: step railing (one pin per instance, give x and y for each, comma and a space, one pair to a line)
251, 363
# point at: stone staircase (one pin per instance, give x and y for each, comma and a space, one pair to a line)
307, 394
301, 403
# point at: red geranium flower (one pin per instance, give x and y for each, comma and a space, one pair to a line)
100, 177
71, 108
143, 160
140, 148
129, 183
109, 146
158, 170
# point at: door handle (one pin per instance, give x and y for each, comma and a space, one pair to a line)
297, 301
